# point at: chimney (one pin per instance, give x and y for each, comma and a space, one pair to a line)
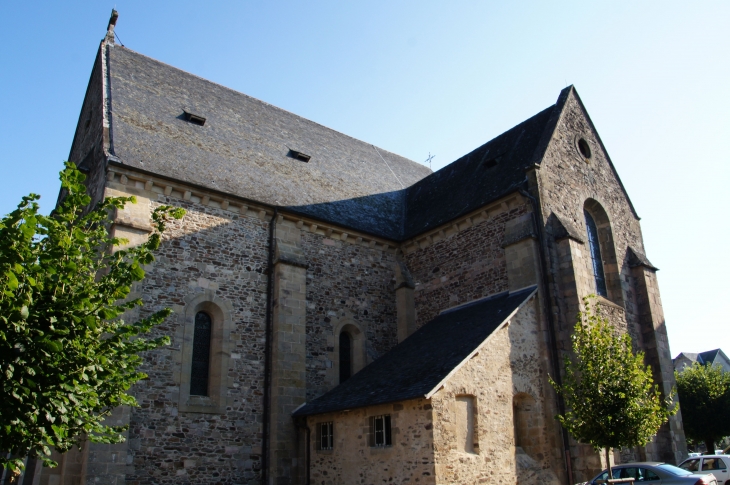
110, 28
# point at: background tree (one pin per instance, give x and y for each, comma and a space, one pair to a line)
66, 357
704, 392
610, 393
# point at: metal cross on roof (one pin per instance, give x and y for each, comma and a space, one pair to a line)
430, 157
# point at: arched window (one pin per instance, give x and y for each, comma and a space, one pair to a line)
200, 368
345, 356
595, 248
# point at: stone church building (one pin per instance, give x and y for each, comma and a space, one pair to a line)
344, 315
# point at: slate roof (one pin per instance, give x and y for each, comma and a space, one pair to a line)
243, 147
421, 362
484, 175
709, 356
691, 356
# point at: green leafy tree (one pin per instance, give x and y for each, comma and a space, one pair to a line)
66, 356
609, 392
704, 391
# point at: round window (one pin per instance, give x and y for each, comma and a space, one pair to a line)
584, 148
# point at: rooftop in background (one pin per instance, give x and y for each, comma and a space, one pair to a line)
709, 357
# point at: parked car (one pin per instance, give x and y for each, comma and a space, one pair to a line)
655, 473
715, 464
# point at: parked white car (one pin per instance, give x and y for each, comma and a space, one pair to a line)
715, 464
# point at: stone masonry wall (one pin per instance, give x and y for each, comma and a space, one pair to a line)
214, 253
566, 181
223, 254
346, 284
352, 461
461, 267
506, 368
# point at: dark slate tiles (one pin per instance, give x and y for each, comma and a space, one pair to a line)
482, 176
419, 363
242, 148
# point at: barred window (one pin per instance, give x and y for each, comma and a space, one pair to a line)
380, 435
595, 248
325, 436
200, 368
345, 356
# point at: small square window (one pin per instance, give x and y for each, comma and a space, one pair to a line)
325, 435
380, 431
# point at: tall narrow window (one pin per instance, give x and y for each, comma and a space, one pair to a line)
380, 433
595, 248
326, 436
466, 429
200, 368
345, 356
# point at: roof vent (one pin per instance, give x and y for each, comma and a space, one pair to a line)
193, 118
491, 162
297, 155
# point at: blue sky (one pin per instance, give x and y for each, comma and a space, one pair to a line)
429, 77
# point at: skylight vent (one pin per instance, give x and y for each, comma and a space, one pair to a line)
193, 118
297, 155
491, 162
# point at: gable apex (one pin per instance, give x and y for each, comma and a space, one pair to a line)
561, 107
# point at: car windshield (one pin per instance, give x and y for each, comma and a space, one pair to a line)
673, 470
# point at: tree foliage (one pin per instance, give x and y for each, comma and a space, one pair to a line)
609, 392
66, 356
704, 391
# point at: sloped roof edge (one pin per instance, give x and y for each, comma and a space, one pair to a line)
461, 364
551, 125
603, 147
449, 340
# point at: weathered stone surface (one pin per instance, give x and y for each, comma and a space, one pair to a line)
352, 460
210, 250
462, 267
506, 216
567, 183
508, 366
348, 285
